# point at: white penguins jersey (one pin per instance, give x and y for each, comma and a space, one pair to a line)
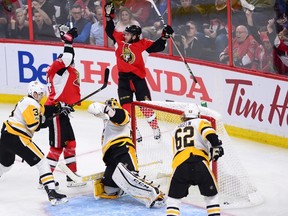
114, 132
25, 119
190, 137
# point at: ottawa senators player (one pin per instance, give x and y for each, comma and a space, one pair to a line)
131, 65
63, 85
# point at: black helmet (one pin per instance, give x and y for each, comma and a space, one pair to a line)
134, 30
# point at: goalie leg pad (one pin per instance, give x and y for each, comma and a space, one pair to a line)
137, 187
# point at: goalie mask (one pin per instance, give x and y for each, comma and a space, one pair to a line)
113, 103
36, 90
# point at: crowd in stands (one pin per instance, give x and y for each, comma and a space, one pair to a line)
259, 27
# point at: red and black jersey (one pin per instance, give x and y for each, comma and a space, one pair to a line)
131, 57
64, 86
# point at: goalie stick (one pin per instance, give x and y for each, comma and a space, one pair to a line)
173, 41
106, 76
95, 176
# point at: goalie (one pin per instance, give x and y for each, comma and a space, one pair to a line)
119, 156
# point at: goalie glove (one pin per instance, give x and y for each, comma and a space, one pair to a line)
109, 10
64, 108
100, 110
216, 151
167, 32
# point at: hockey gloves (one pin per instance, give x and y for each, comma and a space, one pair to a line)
109, 10
216, 151
167, 32
68, 36
64, 108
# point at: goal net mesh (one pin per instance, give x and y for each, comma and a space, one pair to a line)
155, 156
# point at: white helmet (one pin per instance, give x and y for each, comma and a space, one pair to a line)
36, 86
191, 111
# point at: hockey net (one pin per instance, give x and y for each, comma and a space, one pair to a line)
155, 156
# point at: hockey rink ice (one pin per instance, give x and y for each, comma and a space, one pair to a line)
266, 166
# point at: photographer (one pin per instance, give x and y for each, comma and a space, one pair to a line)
188, 41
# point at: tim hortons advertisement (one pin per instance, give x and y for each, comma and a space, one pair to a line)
245, 101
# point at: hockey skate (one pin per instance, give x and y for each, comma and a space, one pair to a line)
71, 183
138, 135
54, 197
157, 133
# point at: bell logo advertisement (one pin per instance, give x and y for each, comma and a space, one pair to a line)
243, 100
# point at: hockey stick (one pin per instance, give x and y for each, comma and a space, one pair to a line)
106, 76
95, 176
77, 178
173, 41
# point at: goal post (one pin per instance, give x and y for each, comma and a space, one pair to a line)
235, 188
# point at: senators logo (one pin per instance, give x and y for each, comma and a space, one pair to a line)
127, 55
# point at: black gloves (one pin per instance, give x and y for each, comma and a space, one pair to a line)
109, 10
68, 36
216, 151
167, 31
64, 108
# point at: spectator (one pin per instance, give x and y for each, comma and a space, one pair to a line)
61, 11
244, 46
263, 53
188, 42
3, 23
46, 9
186, 12
18, 28
81, 24
125, 19
154, 28
42, 30
280, 47
140, 9
97, 29
264, 11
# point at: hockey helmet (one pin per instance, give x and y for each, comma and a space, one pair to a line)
191, 111
36, 86
113, 103
134, 30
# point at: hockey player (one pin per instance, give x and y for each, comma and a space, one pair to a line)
63, 85
16, 139
192, 141
120, 158
130, 50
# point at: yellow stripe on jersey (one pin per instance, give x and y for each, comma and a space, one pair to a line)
17, 129
123, 140
133, 156
185, 154
205, 128
29, 144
